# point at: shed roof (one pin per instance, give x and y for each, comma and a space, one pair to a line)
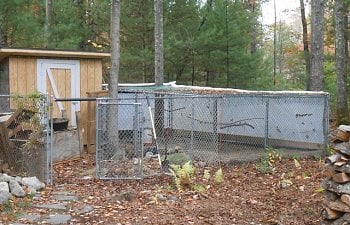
6, 52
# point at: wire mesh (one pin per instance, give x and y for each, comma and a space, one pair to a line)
208, 129
25, 135
119, 149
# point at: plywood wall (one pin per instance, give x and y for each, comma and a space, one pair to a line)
22, 75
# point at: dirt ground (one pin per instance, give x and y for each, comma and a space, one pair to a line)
289, 195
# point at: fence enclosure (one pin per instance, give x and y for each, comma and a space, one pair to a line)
25, 135
204, 128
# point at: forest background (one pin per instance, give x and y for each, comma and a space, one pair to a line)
217, 43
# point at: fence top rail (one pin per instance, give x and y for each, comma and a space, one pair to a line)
144, 96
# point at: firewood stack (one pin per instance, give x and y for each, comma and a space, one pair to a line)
337, 184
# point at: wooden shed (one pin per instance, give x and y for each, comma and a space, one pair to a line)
63, 74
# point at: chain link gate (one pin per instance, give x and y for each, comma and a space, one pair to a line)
119, 146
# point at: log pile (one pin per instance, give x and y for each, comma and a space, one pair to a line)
337, 182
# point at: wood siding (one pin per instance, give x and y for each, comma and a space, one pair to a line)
90, 81
22, 72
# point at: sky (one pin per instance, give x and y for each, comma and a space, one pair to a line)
284, 8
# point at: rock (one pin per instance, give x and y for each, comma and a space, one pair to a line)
16, 189
58, 219
33, 182
66, 198
32, 218
160, 197
172, 198
85, 209
4, 177
31, 190
58, 206
4, 186
4, 197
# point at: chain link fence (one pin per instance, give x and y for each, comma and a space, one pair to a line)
25, 135
158, 129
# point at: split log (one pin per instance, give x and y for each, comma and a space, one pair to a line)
343, 148
346, 199
341, 178
344, 128
342, 136
335, 187
345, 168
333, 158
330, 214
340, 163
338, 205
331, 196
345, 219
330, 170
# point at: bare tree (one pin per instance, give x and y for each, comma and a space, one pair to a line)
316, 79
158, 42
340, 55
305, 42
48, 16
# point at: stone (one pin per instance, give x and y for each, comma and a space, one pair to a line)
172, 198
4, 177
4, 197
33, 218
58, 206
160, 197
31, 190
85, 209
66, 198
16, 189
4, 186
58, 219
33, 182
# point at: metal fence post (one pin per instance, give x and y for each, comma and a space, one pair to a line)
192, 132
266, 139
326, 121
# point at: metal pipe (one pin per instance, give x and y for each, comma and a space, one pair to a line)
74, 99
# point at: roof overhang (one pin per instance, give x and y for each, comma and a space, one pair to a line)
6, 52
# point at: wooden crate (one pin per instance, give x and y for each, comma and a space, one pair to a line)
91, 121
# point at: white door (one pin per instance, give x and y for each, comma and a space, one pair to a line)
60, 78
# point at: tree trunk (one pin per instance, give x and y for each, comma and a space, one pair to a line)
316, 79
48, 16
305, 42
340, 55
158, 42
112, 113
115, 49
